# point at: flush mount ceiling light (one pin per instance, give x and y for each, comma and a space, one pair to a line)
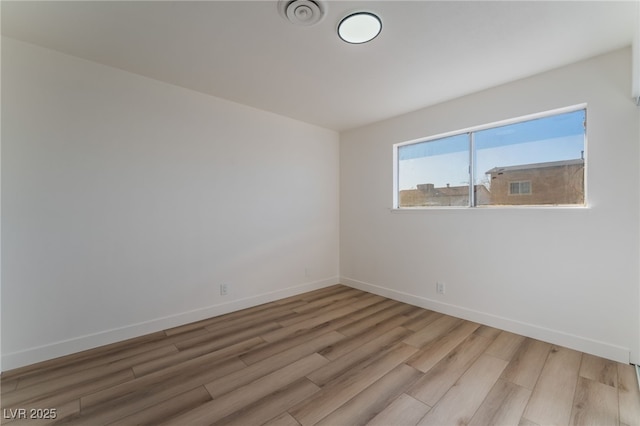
359, 27
302, 12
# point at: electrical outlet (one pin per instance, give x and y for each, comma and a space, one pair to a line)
440, 287
224, 289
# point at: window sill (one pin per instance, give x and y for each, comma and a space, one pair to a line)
409, 210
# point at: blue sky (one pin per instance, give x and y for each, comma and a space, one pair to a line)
446, 161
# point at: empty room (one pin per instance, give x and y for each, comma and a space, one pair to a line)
301, 212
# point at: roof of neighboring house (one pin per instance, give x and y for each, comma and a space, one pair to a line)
452, 190
445, 191
536, 166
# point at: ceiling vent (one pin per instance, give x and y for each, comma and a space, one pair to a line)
302, 12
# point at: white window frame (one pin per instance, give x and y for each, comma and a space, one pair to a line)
472, 130
520, 182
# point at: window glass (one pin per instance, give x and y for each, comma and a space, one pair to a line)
434, 173
531, 162
536, 162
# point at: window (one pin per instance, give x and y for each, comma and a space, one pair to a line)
520, 188
531, 161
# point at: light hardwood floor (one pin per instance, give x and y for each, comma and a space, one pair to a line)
336, 356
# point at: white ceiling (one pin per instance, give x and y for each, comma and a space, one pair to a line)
244, 51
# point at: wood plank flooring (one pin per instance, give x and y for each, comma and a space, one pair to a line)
335, 356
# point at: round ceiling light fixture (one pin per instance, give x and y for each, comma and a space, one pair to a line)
359, 27
301, 12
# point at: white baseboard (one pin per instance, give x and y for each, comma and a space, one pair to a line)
66, 347
556, 337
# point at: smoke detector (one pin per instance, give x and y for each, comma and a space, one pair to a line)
302, 12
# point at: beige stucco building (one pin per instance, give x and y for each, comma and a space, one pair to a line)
551, 183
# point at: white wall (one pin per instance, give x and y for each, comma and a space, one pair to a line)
568, 276
126, 202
